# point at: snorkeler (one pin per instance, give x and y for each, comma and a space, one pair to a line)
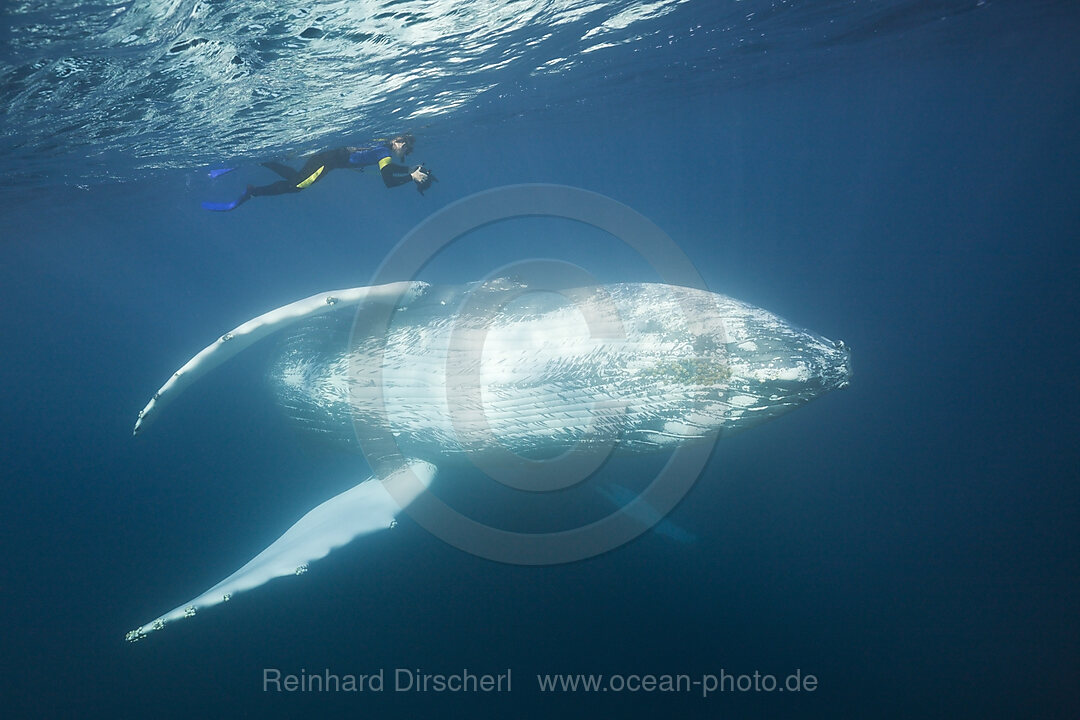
316, 166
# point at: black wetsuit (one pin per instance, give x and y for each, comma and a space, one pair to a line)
316, 166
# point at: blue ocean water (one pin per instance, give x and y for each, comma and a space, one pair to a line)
901, 175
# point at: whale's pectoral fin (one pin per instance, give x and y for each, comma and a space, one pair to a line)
370, 506
247, 334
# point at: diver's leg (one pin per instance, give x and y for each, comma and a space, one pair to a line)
283, 170
281, 187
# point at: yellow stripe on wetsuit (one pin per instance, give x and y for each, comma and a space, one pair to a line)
310, 178
385, 161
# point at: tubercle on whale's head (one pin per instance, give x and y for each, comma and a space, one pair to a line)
777, 367
845, 369
828, 361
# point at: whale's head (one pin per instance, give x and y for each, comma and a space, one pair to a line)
775, 366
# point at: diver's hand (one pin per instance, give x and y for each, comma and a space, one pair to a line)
423, 178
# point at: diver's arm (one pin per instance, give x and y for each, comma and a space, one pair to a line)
394, 175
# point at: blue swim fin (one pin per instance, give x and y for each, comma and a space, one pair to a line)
226, 206
218, 172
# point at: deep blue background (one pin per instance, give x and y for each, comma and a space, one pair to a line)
912, 541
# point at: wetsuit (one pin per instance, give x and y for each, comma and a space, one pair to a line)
316, 166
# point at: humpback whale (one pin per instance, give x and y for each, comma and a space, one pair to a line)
498, 373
